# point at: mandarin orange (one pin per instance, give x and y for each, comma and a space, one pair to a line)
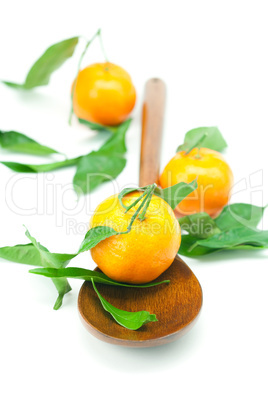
147, 250
214, 179
104, 94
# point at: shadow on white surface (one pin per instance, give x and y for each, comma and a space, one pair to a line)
131, 360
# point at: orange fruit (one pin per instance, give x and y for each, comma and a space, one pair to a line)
214, 179
147, 250
104, 94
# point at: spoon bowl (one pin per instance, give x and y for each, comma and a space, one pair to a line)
176, 305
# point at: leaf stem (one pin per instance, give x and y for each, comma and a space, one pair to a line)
98, 33
147, 195
192, 247
134, 216
195, 145
102, 47
133, 204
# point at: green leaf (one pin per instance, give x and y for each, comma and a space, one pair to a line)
196, 144
50, 61
53, 260
92, 169
17, 142
102, 165
246, 247
172, 195
129, 320
28, 254
236, 215
87, 275
47, 167
189, 247
56, 261
21, 253
116, 144
199, 225
127, 191
175, 194
36, 254
236, 237
98, 127
233, 229
205, 137
13, 85
96, 235
95, 169
63, 287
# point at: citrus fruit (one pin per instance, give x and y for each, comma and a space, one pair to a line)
147, 250
214, 179
104, 94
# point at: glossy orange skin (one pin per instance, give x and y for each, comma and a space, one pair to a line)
214, 179
104, 94
147, 250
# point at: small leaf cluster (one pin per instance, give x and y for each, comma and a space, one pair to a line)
234, 229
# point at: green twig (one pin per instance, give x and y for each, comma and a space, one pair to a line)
133, 203
147, 195
79, 66
102, 47
195, 145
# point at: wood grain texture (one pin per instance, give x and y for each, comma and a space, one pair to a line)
176, 306
152, 126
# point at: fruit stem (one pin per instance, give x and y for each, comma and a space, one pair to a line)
78, 69
147, 195
134, 203
102, 47
198, 156
196, 145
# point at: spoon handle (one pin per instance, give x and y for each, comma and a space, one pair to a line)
152, 125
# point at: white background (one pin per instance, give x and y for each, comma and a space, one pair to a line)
213, 57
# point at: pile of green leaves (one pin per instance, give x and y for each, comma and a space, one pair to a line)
91, 170
234, 229
53, 265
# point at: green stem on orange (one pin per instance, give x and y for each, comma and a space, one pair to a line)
134, 203
147, 195
195, 145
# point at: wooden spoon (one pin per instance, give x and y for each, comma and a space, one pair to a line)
176, 304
